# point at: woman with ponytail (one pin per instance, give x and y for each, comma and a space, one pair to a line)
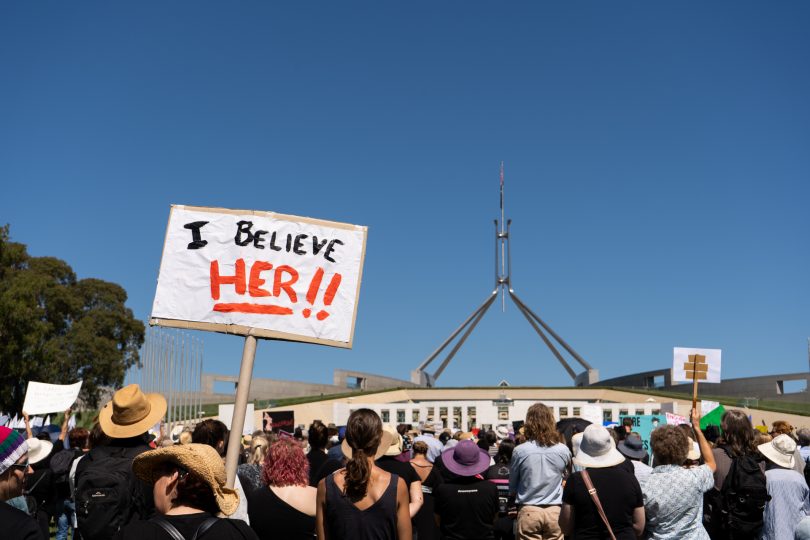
362, 501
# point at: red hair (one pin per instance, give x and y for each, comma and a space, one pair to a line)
285, 464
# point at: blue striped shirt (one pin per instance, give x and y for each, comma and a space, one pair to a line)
788, 505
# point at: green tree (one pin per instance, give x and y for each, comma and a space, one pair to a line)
57, 329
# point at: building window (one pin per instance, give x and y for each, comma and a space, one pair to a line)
656, 412
400, 416
415, 416
386, 416
443, 413
431, 413
577, 411
563, 412
623, 412
503, 412
607, 415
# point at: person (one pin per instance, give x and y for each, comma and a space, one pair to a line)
362, 501
107, 469
632, 447
673, 495
215, 434
535, 476
389, 462
467, 505
498, 474
39, 490
14, 467
250, 473
318, 436
61, 465
188, 485
423, 522
618, 491
285, 506
803, 436
789, 492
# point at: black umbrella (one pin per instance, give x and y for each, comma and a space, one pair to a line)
567, 427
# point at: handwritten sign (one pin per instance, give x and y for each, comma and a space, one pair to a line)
42, 398
702, 363
676, 419
260, 273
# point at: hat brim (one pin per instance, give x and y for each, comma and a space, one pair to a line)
609, 459
385, 443
40, 452
465, 470
146, 464
157, 408
629, 452
783, 460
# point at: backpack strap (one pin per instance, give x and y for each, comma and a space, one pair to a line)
204, 526
172, 531
592, 492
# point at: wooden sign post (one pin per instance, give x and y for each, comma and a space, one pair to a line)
697, 369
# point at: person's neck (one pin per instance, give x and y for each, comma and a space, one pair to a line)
183, 510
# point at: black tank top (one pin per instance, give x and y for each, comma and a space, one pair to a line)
271, 517
345, 521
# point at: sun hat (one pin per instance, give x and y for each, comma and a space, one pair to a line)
38, 449
632, 447
576, 441
502, 432
395, 448
385, 443
694, 450
466, 459
200, 459
12, 447
780, 450
131, 412
597, 449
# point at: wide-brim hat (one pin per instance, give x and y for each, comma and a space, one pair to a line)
385, 443
632, 446
38, 450
131, 412
395, 448
694, 450
597, 449
780, 450
466, 459
198, 459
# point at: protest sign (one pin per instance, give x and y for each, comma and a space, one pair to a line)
225, 416
676, 419
705, 370
260, 273
278, 421
644, 424
42, 398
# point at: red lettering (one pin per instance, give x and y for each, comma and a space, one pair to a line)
256, 281
279, 284
237, 280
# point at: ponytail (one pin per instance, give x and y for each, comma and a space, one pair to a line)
363, 433
358, 475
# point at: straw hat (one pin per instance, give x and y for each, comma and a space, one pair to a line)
200, 459
395, 448
131, 412
385, 443
780, 450
38, 450
597, 449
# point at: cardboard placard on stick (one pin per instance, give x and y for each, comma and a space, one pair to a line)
260, 275
694, 365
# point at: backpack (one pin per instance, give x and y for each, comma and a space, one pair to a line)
60, 465
744, 496
104, 485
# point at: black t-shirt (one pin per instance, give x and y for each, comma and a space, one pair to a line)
619, 494
271, 517
329, 466
400, 468
467, 508
17, 525
316, 460
223, 529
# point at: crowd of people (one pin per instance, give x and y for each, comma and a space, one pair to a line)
370, 481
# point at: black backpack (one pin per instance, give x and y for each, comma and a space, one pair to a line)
744, 496
60, 465
104, 488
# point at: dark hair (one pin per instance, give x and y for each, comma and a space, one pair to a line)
192, 490
444, 437
420, 447
363, 434
97, 436
505, 449
540, 426
318, 435
738, 433
78, 437
486, 439
211, 432
670, 445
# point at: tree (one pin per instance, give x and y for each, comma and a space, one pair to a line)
57, 329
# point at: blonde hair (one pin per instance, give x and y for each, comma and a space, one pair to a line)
184, 438
259, 445
540, 425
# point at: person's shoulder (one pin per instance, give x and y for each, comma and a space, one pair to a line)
14, 519
239, 530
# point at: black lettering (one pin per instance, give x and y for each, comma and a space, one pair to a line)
243, 227
289, 242
195, 227
273, 245
329, 249
317, 246
298, 244
257, 239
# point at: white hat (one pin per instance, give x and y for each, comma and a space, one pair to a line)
780, 450
597, 449
694, 450
576, 441
38, 450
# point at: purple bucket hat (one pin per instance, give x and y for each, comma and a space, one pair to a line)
466, 459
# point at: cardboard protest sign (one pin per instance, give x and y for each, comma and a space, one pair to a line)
42, 398
705, 368
676, 419
644, 424
225, 416
261, 274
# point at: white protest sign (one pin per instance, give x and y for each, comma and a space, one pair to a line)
592, 413
708, 406
226, 415
676, 419
41, 398
707, 370
260, 273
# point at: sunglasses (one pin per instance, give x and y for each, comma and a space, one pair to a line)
23, 466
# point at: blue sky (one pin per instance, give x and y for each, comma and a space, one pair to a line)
657, 159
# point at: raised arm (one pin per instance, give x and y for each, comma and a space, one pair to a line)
705, 448
28, 433
64, 430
